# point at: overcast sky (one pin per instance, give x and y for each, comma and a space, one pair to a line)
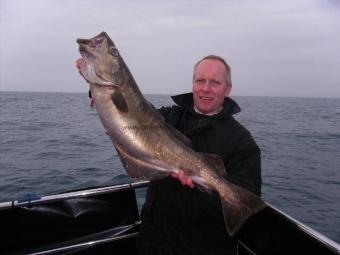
275, 48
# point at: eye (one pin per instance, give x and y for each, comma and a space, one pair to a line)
199, 81
114, 52
215, 82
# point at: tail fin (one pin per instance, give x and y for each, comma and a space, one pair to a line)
239, 206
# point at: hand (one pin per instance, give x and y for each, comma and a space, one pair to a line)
183, 178
79, 63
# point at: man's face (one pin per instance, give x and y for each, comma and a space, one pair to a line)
210, 86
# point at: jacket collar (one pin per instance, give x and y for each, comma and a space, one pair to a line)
230, 107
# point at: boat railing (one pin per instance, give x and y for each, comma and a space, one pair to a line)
73, 194
260, 235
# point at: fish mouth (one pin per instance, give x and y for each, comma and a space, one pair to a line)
87, 46
92, 42
84, 52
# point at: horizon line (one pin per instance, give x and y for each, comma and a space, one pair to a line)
170, 94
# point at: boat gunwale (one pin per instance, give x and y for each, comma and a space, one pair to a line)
334, 246
74, 194
87, 244
327, 242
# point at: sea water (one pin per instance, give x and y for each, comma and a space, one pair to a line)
54, 142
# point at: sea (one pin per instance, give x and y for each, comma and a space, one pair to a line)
54, 142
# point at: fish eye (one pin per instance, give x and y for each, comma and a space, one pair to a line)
114, 52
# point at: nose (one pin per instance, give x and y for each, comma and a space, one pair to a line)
206, 86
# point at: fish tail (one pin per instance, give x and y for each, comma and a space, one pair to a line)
238, 205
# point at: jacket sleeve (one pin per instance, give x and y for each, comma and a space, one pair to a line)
244, 166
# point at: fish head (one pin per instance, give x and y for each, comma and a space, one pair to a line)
101, 63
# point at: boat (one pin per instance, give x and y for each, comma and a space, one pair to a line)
105, 220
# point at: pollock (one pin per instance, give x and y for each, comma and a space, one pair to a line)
148, 147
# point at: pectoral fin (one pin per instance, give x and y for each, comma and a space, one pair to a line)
119, 101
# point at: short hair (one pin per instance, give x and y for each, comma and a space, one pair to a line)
222, 60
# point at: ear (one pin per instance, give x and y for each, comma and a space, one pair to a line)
227, 92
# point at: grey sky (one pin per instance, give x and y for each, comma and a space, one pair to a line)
275, 48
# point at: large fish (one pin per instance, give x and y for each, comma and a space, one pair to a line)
148, 147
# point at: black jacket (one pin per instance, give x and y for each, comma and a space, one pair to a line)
179, 220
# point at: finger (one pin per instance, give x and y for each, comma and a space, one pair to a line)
189, 182
181, 177
79, 63
174, 174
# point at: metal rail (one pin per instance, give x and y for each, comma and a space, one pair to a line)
74, 194
85, 245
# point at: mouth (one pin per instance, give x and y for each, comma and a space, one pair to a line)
206, 98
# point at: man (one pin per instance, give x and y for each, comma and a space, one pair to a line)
177, 218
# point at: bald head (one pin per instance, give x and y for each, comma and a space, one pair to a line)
220, 59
